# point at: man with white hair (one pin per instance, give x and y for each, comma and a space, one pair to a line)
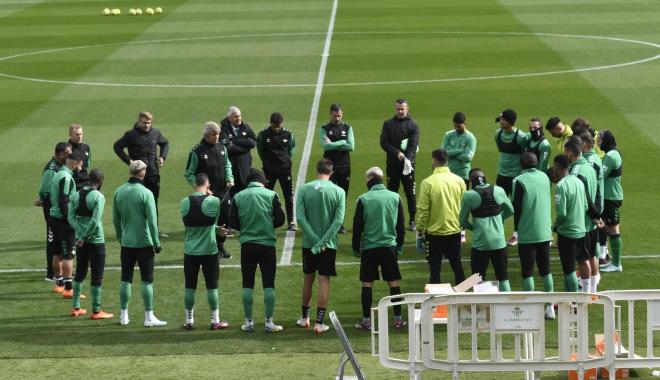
239, 139
378, 233
210, 157
134, 218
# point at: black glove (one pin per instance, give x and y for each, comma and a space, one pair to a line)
157, 249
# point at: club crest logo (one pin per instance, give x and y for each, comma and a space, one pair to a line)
517, 312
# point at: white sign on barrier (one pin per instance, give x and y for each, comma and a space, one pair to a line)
518, 316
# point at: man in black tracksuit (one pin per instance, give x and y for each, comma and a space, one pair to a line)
275, 146
142, 142
210, 157
338, 142
239, 139
81, 149
400, 139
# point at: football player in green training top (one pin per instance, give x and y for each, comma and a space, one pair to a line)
86, 217
587, 256
533, 221
460, 145
511, 143
590, 154
256, 213
62, 150
571, 210
320, 211
378, 233
200, 212
61, 187
135, 219
489, 207
538, 144
613, 192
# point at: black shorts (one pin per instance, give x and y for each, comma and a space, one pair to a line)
611, 212
505, 183
90, 255
590, 245
210, 269
568, 252
534, 252
144, 257
383, 257
65, 237
323, 263
479, 262
253, 254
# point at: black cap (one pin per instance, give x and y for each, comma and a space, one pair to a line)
256, 176
508, 115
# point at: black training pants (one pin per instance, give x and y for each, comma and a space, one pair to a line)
286, 183
395, 177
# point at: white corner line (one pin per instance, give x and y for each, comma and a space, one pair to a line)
311, 126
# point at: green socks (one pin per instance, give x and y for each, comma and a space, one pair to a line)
213, 297
504, 286
189, 298
247, 302
571, 284
528, 284
269, 302
77, 288
615, 247
147, 289
125, 290
96, 298
548, 283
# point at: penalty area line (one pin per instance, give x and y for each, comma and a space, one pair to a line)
309, 137
339, 263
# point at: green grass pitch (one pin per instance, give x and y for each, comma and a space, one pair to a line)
189, 64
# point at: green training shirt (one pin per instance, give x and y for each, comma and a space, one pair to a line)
61, 187
583, 170
320, 207
378, 216
543, 149
488, 232
612, 165
597, 164
88, 229
46, 177
199, 241
571, 208
532, 209
460, 148
509, 163
256, 212
134, 215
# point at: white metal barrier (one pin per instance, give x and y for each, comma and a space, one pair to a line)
476, 313
631, 359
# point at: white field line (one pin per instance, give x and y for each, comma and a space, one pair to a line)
311, 126
339, 263
299, 85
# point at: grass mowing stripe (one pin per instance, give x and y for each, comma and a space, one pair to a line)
339, 263
309, 138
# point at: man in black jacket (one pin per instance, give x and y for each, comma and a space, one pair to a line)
400, 139
142, 142
275, 146
210, 157
80, 148
239, 139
